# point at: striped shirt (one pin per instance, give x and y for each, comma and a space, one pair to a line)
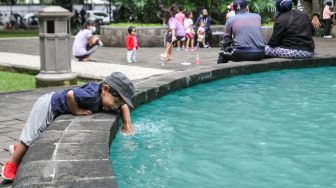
245, 28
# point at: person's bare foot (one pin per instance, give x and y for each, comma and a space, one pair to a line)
88, 60
85, 59
163, 56
169, 58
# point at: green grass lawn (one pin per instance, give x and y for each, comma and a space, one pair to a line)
16, 82
11, 82
18, 33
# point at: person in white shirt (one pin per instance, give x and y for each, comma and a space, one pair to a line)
85, 43
231, 11
190, 33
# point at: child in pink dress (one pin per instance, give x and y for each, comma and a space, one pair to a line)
188, 25
201, 34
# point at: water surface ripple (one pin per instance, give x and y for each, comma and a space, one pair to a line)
274, 129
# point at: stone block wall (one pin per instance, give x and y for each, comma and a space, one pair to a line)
72, 152
147, 36
154, 36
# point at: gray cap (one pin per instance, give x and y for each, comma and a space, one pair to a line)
122, 85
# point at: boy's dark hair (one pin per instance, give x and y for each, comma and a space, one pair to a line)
187, 14
130, 29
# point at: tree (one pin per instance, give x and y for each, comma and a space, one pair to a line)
148, 10
67, 4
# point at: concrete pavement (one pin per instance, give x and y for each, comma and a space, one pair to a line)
15, 107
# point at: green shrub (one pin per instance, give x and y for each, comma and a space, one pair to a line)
319, 32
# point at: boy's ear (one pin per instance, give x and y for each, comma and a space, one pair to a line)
105, 87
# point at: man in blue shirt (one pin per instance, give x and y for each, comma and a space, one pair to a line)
243, 38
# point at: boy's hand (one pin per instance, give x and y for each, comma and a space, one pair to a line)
84, 112
128, 132
128, 129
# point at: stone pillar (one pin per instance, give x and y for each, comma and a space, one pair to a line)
55, 51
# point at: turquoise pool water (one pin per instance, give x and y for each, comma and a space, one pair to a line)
274, 129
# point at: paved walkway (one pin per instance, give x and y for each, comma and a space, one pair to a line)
15, 107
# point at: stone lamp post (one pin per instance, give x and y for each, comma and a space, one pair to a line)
55, 51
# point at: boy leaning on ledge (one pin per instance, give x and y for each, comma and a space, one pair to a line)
113, 94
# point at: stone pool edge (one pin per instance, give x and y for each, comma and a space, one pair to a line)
74, 152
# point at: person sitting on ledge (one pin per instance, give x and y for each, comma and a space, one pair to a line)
113, 94
292, 33
85, 43
248, 41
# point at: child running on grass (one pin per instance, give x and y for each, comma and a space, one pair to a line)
113, 94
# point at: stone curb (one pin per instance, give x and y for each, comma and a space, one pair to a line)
155, 87
74, 151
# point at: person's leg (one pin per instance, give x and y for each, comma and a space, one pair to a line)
92, 47
170, 52
165, 54
328, 24
183, 42
187, 43
129, 56
134, 55
222, 58
19, 152
192, 43
39, 118
326, 28
197, 44
178, 44
80, 58
168, 44
208, 37
287, 53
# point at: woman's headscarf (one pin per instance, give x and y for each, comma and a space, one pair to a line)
283, 5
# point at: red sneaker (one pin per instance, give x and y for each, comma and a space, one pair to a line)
9, 171
12, 148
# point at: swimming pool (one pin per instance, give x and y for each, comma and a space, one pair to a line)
273, 129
